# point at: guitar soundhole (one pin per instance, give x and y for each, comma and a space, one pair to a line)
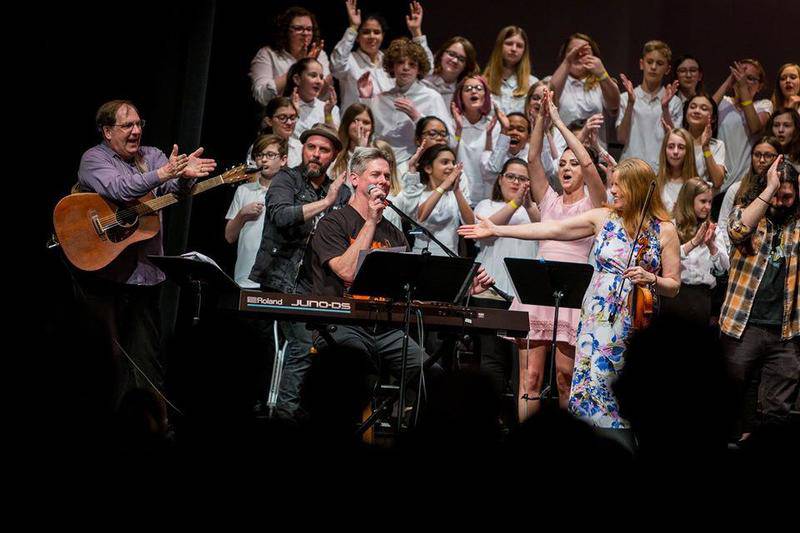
127, 225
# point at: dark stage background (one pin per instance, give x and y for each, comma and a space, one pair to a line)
185, 64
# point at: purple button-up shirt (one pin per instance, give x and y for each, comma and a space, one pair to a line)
103, 171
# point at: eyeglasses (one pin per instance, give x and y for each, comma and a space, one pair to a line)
128, 126
301, 29
269, 156
766, 156
285, 119
688, 70
515, 177
477, 88
432, 134
752, 79
457, 57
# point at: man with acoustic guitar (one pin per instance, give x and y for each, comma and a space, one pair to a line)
123, 296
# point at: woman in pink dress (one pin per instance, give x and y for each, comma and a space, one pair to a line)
583, 190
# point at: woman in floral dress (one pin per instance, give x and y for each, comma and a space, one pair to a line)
606, 320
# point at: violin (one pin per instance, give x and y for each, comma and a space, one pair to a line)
642, 299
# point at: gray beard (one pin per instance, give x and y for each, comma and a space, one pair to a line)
313, 174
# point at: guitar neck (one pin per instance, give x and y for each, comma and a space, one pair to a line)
171, 198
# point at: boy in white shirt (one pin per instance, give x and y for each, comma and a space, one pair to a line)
639, 123
246, 214
397, 110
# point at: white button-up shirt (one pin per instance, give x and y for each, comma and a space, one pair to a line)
506, 101
647, 133
470, 149
717, 148
395, 127
310, 113
250, 234
268, 65
699, 266
734, 133
577, 103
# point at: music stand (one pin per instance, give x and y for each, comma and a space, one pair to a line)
407, 276
549, 284
196, 273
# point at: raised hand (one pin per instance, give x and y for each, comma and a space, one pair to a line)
700, 234
176, 165
482, 230
669, 91
407, 106
712, 241
773, 174
552, 109
666, 126
608, 163
503, 119
412, 162
296, 98
364, 84
593, 64
590, 129
333, 190
452, 181
705, 137
708, 236
414, 19
481, 282
575, 54
492, 122
353, 14
315, 48
362, 136
522, 197
330, 101
198, 167
628, 87
458, 118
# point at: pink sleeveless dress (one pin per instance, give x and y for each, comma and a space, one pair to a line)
541, 318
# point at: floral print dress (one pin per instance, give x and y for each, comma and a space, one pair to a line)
605, 324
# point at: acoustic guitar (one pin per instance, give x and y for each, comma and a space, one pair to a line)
93, 230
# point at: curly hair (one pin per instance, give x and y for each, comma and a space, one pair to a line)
405, 48
284, 20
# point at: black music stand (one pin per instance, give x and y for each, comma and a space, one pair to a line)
196, 273
549, 284
407, 276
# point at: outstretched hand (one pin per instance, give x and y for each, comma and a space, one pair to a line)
484, 229
198, 167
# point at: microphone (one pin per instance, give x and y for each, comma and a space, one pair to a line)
372, 187
252, 170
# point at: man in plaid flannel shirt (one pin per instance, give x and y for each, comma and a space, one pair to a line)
760, 318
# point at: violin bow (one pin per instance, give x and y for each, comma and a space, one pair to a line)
635, 240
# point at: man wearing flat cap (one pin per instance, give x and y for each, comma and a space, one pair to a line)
297, 198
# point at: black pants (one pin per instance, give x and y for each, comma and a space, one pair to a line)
129, 315
348, 363
761, 349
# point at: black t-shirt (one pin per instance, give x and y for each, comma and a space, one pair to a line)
335, 233
767, 307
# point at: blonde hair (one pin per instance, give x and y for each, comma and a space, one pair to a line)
658, 46
634, 177
689, 169
494, 69
685, 218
